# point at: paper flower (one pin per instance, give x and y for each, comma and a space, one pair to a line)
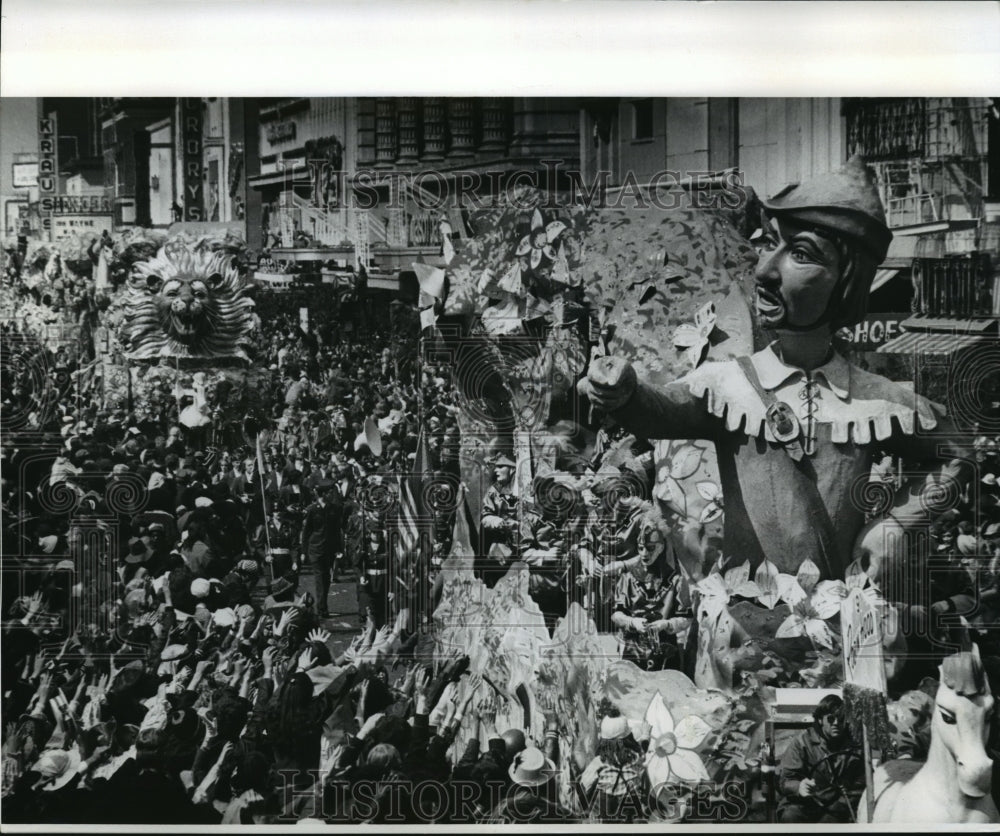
670, 754
812, 604
694, 338
719, 588
539, 241
712, 493
684, 462
766, 578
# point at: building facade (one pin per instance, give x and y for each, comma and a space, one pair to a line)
168, 161
377, 176
19, 119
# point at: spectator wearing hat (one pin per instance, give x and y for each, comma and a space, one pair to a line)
533, 795
51, 788
159, 549
281, 596
616, 775
138, 555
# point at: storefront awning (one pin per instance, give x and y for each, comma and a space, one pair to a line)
923, 342
278, 178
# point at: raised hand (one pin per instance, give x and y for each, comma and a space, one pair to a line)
406, 689
402, 619
381, 636
547, 703
65, 647
267, 658
44, 685
367, 635
421, 679
486, 711
441, 710
307, 659
321, 636
211, 728
35, 604
475, 682
362, 698
39, 665
58, 738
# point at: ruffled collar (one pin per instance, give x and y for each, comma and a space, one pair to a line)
866, 406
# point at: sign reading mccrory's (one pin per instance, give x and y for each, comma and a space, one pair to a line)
860, 625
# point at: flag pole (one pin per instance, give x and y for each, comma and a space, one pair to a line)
263, 497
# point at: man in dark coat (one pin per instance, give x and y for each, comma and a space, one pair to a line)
322, 537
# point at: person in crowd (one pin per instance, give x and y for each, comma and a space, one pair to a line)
322, 538
533, 797
373, 586
278, 543
615, 782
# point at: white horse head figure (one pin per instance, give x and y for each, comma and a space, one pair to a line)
961, 720
953, 786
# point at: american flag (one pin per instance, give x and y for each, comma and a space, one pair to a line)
411, 509
411, 553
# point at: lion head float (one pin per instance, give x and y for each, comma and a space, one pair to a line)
187, 302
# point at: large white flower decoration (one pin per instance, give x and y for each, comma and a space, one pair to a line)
670, 755
717, 589
812, 602
539, 241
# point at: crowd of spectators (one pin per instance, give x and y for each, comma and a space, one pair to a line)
166, 659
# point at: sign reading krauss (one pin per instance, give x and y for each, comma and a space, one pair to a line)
48, 163
48, 155
191, 133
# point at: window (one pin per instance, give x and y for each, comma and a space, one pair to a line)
642, 119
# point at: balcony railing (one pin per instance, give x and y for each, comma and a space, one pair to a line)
957, 286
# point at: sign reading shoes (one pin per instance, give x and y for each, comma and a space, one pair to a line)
69, 205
